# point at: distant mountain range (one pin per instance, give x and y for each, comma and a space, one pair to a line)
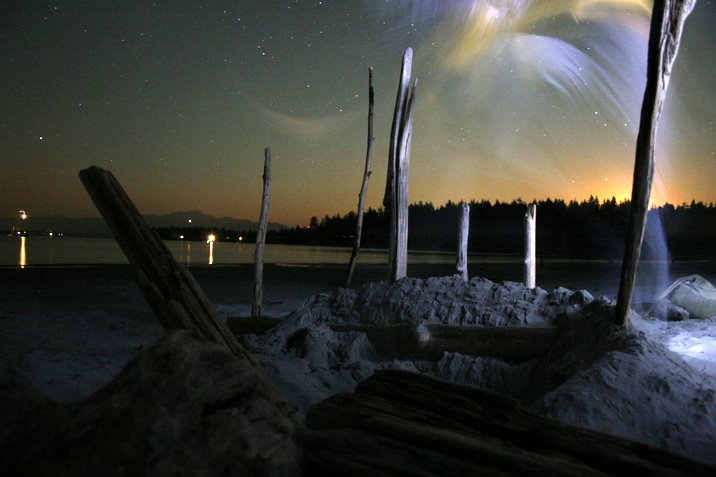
97, 226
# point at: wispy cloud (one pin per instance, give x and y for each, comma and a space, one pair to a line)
317, 128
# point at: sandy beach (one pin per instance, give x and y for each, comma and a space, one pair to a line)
68, 330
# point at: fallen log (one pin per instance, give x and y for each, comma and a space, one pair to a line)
430, 342
400, 423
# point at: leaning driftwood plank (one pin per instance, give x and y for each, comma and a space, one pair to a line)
667, 23
430, 342
399, 423
170, 289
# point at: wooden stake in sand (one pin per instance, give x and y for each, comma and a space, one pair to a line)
463, 235
261, 238
667, 22
168, 287
364, 185
396, 190
531, 246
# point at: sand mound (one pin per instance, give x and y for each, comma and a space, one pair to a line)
596, 375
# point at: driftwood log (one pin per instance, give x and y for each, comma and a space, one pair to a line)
364, 184
667, 23
430, 342
399, 423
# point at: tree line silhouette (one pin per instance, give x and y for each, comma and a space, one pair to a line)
590, 229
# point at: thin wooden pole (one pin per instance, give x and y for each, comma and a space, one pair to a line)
261, 237
531, 246
667, 22
396, 191
364, 185
463, 235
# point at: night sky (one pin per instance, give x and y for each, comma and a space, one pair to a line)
516, 99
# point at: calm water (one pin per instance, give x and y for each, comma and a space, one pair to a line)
41, 250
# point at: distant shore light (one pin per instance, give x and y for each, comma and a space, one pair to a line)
211, 238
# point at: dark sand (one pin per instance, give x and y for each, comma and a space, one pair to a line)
68, 330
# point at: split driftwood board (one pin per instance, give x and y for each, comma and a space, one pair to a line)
399, 423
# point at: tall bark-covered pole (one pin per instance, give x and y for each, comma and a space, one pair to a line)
261, 237
364, 186
667, 22
396, 190
531, 246
463, 234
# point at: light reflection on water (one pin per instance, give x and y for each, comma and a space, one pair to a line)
43, 250
23, 253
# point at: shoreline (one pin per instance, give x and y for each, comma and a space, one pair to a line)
233, 283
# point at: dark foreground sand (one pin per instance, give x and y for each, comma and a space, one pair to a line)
69, 330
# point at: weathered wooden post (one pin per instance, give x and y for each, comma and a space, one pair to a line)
463, 234
667, 22
396, 190
531, 246
364, 185
261, 238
